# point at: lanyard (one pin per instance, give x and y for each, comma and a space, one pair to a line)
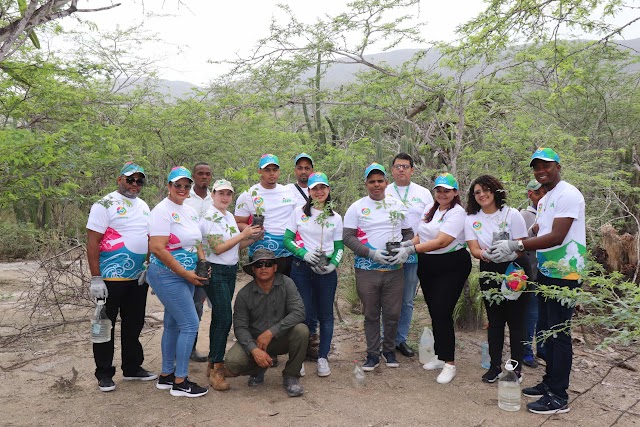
406, 193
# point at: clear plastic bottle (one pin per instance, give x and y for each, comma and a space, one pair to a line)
359, 379
100, 324
485, 361
425, 349
509, 397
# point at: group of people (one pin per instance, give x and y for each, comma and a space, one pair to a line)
400, 235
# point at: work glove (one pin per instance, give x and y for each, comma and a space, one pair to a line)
380, 256
488, 256
311, 258
407, 243
327, 269
504, 257
402, 254
98, 288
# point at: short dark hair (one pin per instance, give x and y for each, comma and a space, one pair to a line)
200, 164
490, 183
402, 156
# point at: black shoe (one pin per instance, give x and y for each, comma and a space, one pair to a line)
390, 359
141, 375
188, 389
405, 350
257, 379
530, 361
549, 404
165, 382
373, 361
106, 384
293, 386
274, 361
492, 375
196, 356
536, 391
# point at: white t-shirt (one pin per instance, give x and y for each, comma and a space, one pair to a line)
308, 231
278, 204
371, 219
124, 224
215, 225
198, 203
300, 201
180, 224
481, 226
415, 197
564, 201
450, 221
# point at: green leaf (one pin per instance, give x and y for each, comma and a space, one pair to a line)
34, 39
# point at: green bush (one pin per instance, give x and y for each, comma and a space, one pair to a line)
19, 241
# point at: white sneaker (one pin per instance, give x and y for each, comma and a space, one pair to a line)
302, 371
447, 374
323, 367
434, 364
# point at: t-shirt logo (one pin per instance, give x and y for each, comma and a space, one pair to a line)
121, 210
175, 217
416, 199
477, 225
366, 211
304, 218
258, 201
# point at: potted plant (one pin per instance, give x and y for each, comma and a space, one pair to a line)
258, 217
326, 210
394, 218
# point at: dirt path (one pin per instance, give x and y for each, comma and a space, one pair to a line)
35, 372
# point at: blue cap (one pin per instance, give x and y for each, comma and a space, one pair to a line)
303, 156
546, 154
130, 168
318, 178
179, 172
373, 167
268, 159
446, 180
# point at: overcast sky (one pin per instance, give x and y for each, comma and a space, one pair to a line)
216, 30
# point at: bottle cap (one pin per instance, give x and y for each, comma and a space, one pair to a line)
510, 365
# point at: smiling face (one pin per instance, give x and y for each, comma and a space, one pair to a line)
319, 192
376, 184
444, 196
546, 173
179, 190
485, 198
202, 176
269, 176
129, 186
222, 199
401, 171
302, 171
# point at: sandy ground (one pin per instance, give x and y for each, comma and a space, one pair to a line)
36, 377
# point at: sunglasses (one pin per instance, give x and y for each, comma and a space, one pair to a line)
263, 264
130, 180
180, 186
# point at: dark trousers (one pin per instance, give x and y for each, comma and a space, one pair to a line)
199, 296
220, 289
442, 277
507, 312
558, 349
130, 299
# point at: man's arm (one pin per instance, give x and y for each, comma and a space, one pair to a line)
559, 230
294, 308
350, 240
93, 251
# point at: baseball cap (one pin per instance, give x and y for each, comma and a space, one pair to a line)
268, 159
179, 172
533, 185
222, 184
303, 156
130, 168
546, 154
446, 180
318, 178
373, 167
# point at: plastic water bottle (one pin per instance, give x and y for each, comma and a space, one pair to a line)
100, 324
486, 358
359, 379
509, 388
426, 352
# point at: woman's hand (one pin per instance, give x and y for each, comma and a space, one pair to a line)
194, 279
251, 232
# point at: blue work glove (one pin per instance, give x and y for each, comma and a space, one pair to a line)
380, 256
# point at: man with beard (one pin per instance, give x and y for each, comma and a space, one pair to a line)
117, 247
303, 169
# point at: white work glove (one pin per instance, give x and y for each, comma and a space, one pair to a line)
402, 254
504, 247
327, 269
98, 288
407, 243
143, 275
311, 258
504, 257
380, 256
488, 256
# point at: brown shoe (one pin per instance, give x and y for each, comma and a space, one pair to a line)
209, 368
216, 377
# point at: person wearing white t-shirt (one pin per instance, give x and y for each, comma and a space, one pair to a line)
415, 197
489, 219
117, 247
275, 203
222, 241
369, 224
561, 241
175, 242
443, 267
303, 170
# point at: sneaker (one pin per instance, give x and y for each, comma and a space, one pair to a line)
274, 361
188, 389
530, 361
302, 371
390, 359
293, 386
536, 391
434, 364
323, 367
447, 374
165, 382
141, 375
196, 356
372, 363
106, 384
548, 404
257, 379
492, 375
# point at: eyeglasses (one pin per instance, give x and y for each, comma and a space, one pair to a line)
180, 186
130, 180
401, 167
263, 264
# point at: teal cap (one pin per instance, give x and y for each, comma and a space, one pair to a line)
303, 156
374, 167
268, 159
130, 168
446, 180
546, 154
533, 185
318, 178
179, 172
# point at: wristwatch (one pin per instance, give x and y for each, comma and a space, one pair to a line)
520, 246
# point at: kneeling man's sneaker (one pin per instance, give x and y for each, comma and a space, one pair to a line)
292, 386
257, 379
188, 389
549, 404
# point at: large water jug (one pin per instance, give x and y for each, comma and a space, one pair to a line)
100, 324
425, 349
509, 388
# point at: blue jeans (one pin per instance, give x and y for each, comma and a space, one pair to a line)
318, 292
531, 326
180, 319
408, 295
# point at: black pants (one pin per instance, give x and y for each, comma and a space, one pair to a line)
130, 299
507, 312
442, 277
